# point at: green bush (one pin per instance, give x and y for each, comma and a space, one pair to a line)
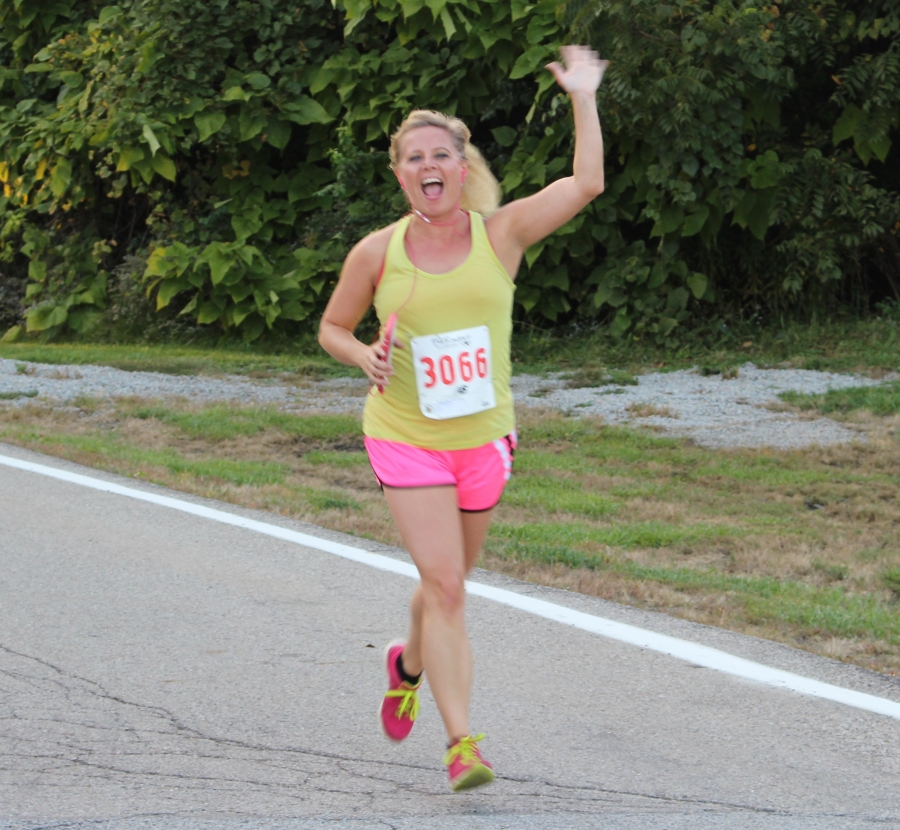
750, 155
239, 148
204, 135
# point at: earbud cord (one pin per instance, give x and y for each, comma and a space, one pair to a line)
452, 224
408, 246
412, 262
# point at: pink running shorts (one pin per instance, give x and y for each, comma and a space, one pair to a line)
479, 474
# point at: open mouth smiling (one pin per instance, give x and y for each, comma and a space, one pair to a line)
432, 187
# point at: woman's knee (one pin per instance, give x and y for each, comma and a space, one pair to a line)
446, 591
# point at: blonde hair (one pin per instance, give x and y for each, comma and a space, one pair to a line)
481, 191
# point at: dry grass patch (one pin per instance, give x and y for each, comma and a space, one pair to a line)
63, 374
647, 410
716, 608
806, 537
338, 495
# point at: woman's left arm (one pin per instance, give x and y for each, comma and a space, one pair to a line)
521, 223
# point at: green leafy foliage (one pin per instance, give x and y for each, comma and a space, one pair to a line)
139, 125
204, 136
239, 148
731, 173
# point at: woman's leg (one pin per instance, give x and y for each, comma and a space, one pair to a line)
435, 536
475, 528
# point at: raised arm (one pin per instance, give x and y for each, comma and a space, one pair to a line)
526, 221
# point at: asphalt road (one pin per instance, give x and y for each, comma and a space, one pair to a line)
159, 670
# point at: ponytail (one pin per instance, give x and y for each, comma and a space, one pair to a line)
481, 191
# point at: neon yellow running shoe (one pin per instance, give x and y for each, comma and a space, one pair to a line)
465, 765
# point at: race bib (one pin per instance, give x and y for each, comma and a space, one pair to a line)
454, 374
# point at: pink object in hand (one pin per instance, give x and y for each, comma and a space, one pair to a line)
387, 342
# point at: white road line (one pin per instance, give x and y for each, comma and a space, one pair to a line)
695, 653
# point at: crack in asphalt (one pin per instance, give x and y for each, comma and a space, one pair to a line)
73, 754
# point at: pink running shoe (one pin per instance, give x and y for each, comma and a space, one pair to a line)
400, 706
465, 765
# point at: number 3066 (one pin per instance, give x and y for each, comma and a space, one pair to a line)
450, 367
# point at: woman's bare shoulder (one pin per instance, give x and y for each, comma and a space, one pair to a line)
374, 245
365, 260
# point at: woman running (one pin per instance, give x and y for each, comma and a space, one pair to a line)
439, 424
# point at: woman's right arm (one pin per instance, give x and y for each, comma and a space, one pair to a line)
350, 301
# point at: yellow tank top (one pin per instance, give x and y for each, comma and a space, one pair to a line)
477, 293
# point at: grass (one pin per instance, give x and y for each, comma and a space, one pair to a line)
890, 578
589, 358
870, 345
883, 399
761, 600
307, 362
800, 547
725, 371
646, 410
623, 535
599, 376
114, 453
221, 422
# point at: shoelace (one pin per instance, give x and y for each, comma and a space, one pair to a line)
465, 749
409, 702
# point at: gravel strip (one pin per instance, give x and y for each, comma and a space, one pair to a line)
45, 382
713, 411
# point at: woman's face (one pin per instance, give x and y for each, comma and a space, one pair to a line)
430, 170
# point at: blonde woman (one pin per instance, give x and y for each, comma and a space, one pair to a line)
439, 424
